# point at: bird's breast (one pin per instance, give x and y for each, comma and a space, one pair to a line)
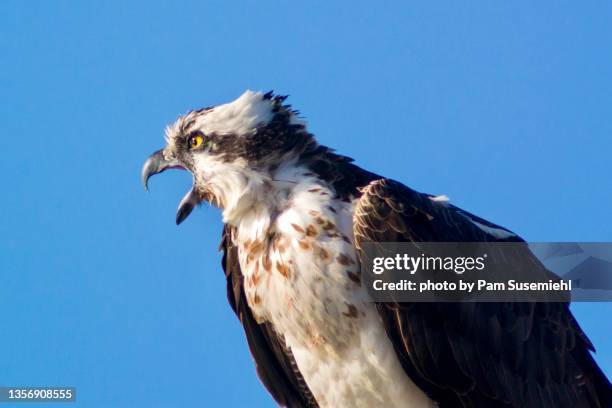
303, 276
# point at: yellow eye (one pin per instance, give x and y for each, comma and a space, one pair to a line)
195, 141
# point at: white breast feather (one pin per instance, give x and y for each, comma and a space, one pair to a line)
305, 281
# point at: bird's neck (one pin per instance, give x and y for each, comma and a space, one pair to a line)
253, 207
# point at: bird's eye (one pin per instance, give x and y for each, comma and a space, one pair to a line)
195, 141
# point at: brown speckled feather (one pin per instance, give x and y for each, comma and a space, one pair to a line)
274, 362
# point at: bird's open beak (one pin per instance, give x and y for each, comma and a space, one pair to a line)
157, 163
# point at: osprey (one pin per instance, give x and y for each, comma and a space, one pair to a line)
295, 216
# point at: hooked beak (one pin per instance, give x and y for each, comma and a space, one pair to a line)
157, 163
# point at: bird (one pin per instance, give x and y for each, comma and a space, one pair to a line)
296, 215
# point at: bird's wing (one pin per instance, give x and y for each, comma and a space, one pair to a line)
274, 361
477, 354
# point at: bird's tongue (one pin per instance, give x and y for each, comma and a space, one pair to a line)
189, 201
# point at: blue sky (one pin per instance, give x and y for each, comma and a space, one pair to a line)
503, 106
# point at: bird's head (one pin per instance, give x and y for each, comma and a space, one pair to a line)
231, 150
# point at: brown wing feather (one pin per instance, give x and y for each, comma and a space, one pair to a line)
274, 361
477, 354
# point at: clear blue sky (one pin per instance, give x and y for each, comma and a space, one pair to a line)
503, 106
